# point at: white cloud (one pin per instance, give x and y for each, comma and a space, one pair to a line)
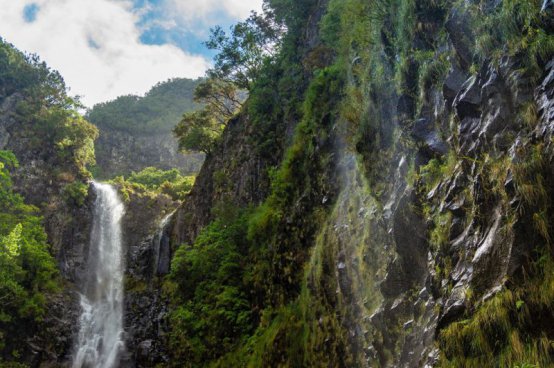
95, 45
192, 10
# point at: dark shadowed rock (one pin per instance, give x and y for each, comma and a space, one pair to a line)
458, 27
468, 100
453, 83
547, 14
424, 131
492, 256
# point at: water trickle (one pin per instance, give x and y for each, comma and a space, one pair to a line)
162, 248
100, 340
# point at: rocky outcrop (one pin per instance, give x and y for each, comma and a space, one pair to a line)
120, 153
438, 211
146, 226
235, 174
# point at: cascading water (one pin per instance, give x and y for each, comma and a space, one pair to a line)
100, 340
161, 245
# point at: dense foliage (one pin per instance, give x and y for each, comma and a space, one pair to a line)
207, 285
242, 54
28, 273
219, 303
241, 58
199, 130
48, 116
55, 146
156, 181
158, 111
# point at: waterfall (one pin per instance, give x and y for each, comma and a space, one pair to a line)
100, 340
160, 242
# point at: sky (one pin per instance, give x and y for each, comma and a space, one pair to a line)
109, 48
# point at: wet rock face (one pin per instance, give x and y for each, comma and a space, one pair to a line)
145, 317
547, 14
545, 100
427, 287
148, 254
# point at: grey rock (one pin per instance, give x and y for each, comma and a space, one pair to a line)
424, 132
468, 100
453, 83
492, 257
547, 14
458, 27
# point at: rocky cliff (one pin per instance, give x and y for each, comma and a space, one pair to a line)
406, 222
120, 153
383, 199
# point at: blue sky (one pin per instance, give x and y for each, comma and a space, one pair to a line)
107, 48
159, 28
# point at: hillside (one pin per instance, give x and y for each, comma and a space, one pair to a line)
135, 131
45, 149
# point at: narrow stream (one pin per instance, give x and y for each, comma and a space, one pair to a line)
100, 340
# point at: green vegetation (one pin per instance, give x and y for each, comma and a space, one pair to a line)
199, 130
207, 285
242, 54
155, 181
28, 273
513, 28
234, 289
509, 328
48, 116
56, 145
241, 59
368, 65
157, 112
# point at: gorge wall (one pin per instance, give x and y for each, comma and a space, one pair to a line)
120, 153
393, 208
383, 199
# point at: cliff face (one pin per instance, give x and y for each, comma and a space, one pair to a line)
120, 153
147, 257
233, 176
408, 221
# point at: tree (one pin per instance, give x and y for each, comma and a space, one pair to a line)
242, 54
198, 130
240, 59
27, 271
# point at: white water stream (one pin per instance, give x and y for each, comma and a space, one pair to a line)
101, 336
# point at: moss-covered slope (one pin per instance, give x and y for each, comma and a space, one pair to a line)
388, 188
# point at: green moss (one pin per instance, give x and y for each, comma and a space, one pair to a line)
76, 193
505, 330
208, 288
513, 27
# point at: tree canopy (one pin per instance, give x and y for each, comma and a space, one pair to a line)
198, 130
240, 58
157, 111
242, 53
48, 116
